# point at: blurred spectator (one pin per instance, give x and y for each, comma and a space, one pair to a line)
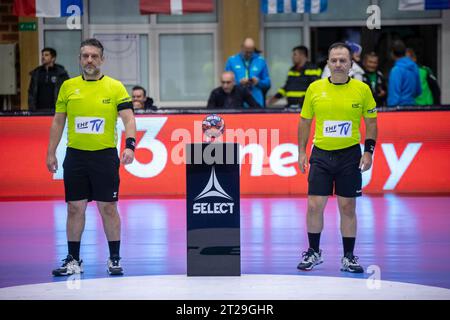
356, 72
230, 96
375, 78
250, 70
431, 93
140, 99
46, 80
300, 76
404, 81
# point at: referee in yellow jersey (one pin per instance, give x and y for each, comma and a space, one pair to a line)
336, 163
91, 104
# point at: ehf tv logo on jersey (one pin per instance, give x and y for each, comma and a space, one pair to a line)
89, 125
337, 129
213, 189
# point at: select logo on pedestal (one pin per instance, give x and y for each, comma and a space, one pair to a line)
213, 189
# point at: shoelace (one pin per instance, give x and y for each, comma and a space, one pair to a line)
306, 255
67, 260
115, 262
352, 260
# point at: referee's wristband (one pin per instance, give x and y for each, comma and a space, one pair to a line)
130, 143
369, 145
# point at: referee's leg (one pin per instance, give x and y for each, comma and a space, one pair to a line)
348, 188
72, 264
76, 218
77, 192
111, 225
105, 180
347, 209
111, 219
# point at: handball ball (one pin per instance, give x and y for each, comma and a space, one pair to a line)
213, 126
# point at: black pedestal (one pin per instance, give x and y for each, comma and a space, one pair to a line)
213, 209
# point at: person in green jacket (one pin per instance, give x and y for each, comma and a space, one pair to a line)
428, 82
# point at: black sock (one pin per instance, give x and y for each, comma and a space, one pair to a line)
74, 249
114, 248
314, 240
349, 245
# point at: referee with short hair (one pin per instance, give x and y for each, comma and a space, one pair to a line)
91, 103
336, 163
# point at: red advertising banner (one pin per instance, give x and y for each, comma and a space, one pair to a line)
412, 155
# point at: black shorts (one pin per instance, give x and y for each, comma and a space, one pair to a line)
337, 169
92, 175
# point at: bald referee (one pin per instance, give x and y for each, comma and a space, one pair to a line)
91, 104
337, 103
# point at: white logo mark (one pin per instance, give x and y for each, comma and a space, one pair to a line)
213, 188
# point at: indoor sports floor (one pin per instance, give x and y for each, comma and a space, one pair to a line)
404, 241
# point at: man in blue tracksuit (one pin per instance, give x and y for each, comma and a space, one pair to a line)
250, 70
404, 81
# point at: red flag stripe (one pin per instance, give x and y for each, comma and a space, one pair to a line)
196, 6
163, 6
154, 6
24, 8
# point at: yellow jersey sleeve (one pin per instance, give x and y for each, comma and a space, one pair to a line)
370, 106
307, 108
61, 102
123, 99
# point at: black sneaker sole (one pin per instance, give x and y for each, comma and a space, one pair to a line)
352, 271
309, 269
115, 273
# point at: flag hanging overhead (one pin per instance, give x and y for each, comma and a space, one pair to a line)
419, 5
293, 6
47, 8
175, 6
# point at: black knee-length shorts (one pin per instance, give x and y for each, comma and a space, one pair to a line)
92, 175
336, 170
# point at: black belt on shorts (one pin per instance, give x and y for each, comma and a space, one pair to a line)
100, 151
337, 151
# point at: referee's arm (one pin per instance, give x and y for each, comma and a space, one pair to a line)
371, 128
59, 121
371, 133
129, 122
304, 129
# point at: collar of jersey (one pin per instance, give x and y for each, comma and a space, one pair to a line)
338, 84
82, 76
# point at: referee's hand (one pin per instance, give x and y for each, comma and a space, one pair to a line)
366, 161
52, 163
302, 161
127, 156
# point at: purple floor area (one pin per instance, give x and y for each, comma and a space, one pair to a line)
407, 238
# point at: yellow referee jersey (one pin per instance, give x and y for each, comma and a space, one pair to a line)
92, 109
338, 109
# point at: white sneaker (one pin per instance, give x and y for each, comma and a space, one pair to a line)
69, 266
349, 263
310, 259
114, 267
